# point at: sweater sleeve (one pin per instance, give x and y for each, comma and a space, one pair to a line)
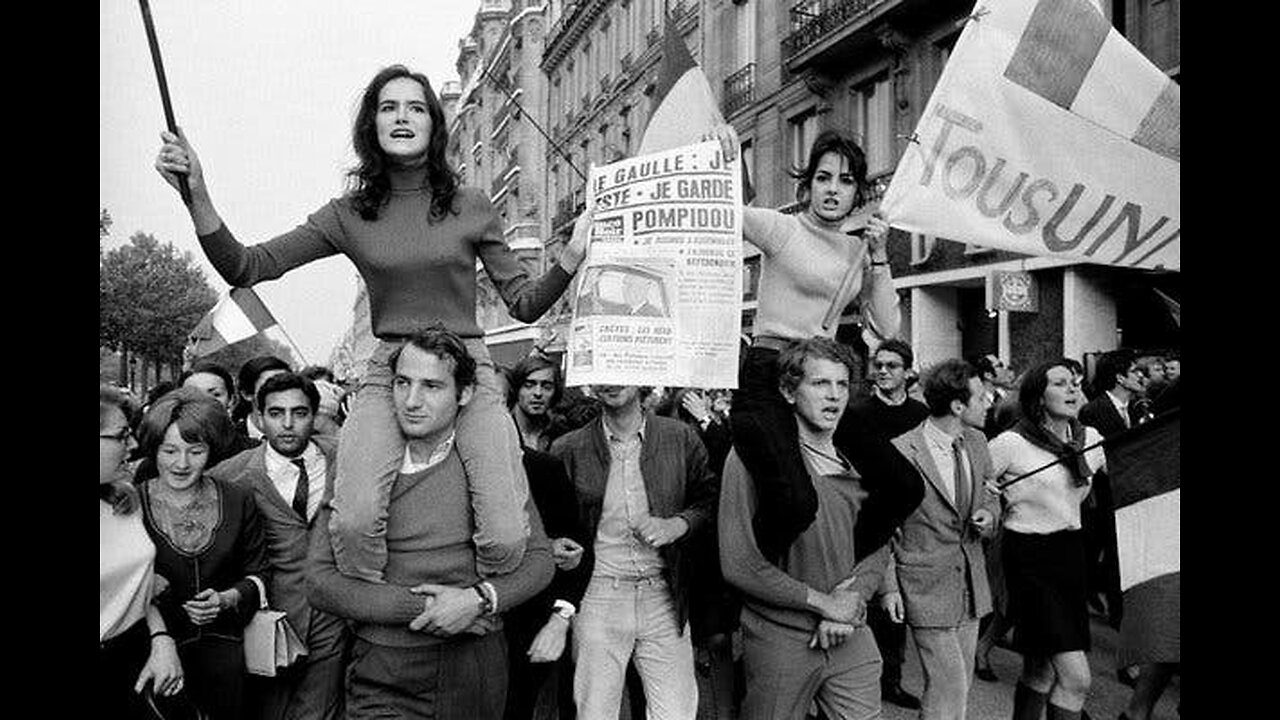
879, 300
870, 572
741, 561
242, 266
527, 299
353, 598
534, 571
766, 229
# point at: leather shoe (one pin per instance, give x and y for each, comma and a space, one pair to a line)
896, 695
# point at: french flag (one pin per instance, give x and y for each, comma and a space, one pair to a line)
239, 315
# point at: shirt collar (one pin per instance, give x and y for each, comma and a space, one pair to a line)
277, 462
409, 466
937, 435
611, 436
1121, 405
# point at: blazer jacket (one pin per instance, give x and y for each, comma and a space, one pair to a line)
677, 480
938, 558
288, 535
1101, 414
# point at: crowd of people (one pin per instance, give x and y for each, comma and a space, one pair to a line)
449, 538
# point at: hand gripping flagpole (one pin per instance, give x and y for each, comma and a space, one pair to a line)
183, 188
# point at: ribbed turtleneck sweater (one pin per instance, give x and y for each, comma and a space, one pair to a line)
418, 270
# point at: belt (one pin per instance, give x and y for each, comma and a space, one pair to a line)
770, 342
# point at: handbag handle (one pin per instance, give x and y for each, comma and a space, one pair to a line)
262, 591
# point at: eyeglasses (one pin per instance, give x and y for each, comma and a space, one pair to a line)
124, 435
891, 365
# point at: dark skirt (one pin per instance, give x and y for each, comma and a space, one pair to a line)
1045, 579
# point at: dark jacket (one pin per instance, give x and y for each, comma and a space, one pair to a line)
677, 479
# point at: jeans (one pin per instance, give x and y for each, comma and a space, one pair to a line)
947, 659
625, 619
370, 454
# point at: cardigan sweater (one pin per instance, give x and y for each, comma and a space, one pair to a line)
677, 480
417, 270
820, 558
429, 529
811, 270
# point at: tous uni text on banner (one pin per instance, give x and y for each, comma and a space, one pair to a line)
659, 296
1047, 134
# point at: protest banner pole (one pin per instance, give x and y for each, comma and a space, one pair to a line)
183, 188
1001, 486
507, 91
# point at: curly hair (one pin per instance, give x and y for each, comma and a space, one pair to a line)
791, 360
369, 181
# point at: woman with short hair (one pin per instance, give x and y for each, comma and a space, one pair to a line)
209, 540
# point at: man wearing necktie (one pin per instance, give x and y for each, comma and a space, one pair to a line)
938, 579
290, 474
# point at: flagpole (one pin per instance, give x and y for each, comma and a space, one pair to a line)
183, 188
502, 86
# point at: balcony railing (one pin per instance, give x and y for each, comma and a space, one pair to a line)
606, 84
625, 63
653, 36
739, 89
812, 20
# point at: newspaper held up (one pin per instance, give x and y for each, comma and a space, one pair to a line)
659, 297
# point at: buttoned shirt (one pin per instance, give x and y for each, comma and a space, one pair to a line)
1122, 407
284, 475
940, 444
619, 552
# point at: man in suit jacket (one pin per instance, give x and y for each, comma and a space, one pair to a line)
938, 582
1111, 412
290, 475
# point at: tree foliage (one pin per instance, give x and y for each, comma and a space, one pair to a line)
149, 297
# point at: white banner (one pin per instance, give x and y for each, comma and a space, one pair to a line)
1047, 134
659, 297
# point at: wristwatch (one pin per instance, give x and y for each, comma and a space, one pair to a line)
564, 609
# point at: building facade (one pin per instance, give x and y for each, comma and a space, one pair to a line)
789, 70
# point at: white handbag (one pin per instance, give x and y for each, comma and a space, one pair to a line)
270, 642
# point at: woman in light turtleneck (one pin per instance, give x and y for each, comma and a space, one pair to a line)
414, 235
815, 263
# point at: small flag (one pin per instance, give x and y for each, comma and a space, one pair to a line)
1144, 464
684, 109
239, 315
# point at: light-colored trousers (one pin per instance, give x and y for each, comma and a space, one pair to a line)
371, 452
947, 659
621, 619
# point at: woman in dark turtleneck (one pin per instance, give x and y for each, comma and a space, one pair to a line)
414, 235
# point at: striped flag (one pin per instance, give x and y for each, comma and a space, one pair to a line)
684, 109
239, 315
1047, 134
1145, 469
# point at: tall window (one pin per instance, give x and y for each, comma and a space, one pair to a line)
802, 128
748, 154
746, 34
873, 122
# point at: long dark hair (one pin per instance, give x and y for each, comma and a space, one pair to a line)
843, 145
369, 181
